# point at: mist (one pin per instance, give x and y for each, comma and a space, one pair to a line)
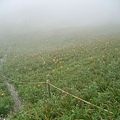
41, 14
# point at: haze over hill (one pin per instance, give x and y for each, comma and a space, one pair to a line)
32, 15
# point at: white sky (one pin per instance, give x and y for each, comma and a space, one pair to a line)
58, 12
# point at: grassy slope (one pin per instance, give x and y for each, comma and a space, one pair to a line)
85, 64
6, 101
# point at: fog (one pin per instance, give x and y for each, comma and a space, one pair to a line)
39, 14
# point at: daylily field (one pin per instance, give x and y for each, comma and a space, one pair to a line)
85, 63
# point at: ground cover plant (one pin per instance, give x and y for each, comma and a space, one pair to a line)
6, 101
87, 67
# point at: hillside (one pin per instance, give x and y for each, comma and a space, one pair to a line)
82, 61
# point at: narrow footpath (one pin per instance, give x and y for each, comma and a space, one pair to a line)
11, 88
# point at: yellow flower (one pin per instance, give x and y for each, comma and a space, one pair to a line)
53, 60
44, 62
38, 85
2, 94
61, 67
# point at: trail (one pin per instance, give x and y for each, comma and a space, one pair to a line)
11, 88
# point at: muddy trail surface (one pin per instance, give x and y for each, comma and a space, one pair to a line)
11, 88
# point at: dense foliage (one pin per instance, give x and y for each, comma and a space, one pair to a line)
6, 101
87, 67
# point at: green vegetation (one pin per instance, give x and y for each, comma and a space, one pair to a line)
86, 66
6, 101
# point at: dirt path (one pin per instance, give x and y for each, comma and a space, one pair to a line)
11, 88
14, 94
